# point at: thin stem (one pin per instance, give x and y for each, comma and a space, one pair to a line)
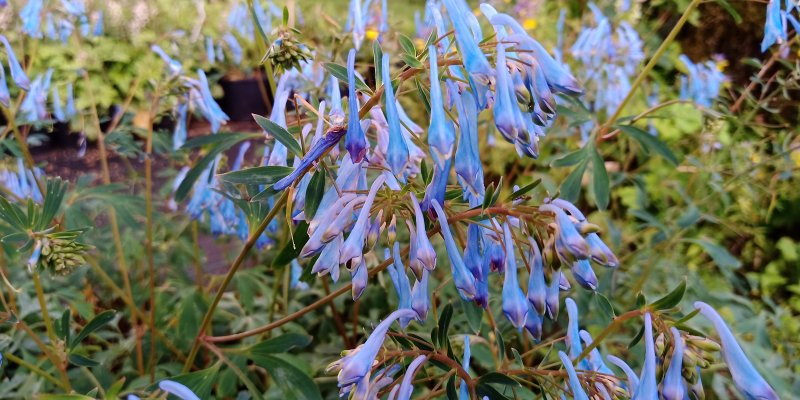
251, 241
34, 369
610, 328
148, 201
649, 67
198, 266
48, 323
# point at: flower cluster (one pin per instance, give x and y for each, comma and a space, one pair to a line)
702, 82
779, 20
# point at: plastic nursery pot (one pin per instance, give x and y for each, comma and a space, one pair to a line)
242, 97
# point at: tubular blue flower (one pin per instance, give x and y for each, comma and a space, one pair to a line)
210, 108
329, 140
180, 133
437, 188
475, 264
358, 362
463, 280
647, 388
5, 96
633, 380
570, 245
210, 56
441, 137
359, 278
463, 391
400, 280
475, 62
425, 254
533, 324
296, 272
177, 389
673, 387
493, 253
58, 110
552, 301
354, 245
70, 111
328, 260
594, 361
404, 393
356, 22
17, 73
574, 382
600, 253
702, 83
382, 379
515, 305
743, 373
468, 163
584, 274
774, 26
346, 181
374, 231
175, 66
99, 27
573, 340
420, 301
355, 140
537, 288
397, 154
331, 224
31, 16
234, 47
506, 111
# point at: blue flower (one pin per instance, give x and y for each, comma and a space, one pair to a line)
353, 247
474, 262
359, 278
234, 47
294, 278
441, 137
356, 22
673, 387
397, 154
647, 388
468, 162
475, 62
17, 73
574, 382
600, 253
552, 301
400, 281
744, 375
181, 122
31, 16
533, 324
463, 280
570, 245
177, 389
584, 274
328, 260
5, 96
175, 66
633, 379
404, 393
594, 361
515, 305
329, 140
355, 141
573, 340
463, 391
424, 253
420, 300
774, 26
703, 82
436, 189
537, 288
358, 362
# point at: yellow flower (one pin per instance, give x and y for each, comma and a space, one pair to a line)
721, 65
371, 34
529, 23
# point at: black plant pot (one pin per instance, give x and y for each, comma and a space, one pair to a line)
243, 97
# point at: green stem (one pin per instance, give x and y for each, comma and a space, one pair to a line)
251, 241
610, 328
37, 283
649, 67
148, 200
34, 369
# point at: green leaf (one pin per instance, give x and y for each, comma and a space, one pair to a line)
293, 247
280, 134
377, 59
672, 298
264, 175
285, 16
340, 72
411, 61
423, 95
96, 323
452, 393
600, 182
721, 256
201, 141
640, 300
636, 338
496, 377
281, 344
501, 346
524, 190
55, 189
488, 196
444, 324
314, 193
63, 331
200, 382
81, 361
649, 142
408, 45
604, 305
291, 381
571, 187
489, 391
571, 158
225, 142
732, 11
474, 314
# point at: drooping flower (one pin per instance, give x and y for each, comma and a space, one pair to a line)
673, 387
475, 62
584, 274
515, 305
400, 281
747, 379
5, 96
358, 362
594, 361
177, 389
537, 288
174, 65
573, 340
774, 26
17, 73
425, 255
574, 382
355, 140
633, 379
468, 163
463, 280
404, 393
463, 391
31, 16
181, 122
397, 153
647, 388
420, 300
354, 245
702, 83
441, 137
359, 278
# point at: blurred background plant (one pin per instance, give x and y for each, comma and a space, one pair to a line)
688, 170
